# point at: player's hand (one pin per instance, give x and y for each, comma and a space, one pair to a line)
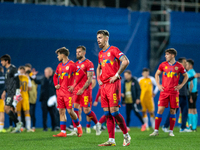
3, 95
80, 92
113, 79
137, 101
191, 100
99, 99
160, 87
34, 72
122, 95
57, 86
71, 88
95, 103
197, 75
153, 95
99, 82
178, 87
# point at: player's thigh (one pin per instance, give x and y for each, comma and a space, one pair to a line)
164, 100
76, 99
194, 98
19, 106
104, 99
143, 104
25, 105
174, 101
1, 105
60, 102
113, 94
150, 105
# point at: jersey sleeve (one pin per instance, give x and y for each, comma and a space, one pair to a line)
55, 77
90, 67
182, 69
16, 77
117, 53
160, 67
154, 83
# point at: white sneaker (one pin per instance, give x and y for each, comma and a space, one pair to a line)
98, 128
165, 129
18, 128
73, 133
154, 133
30, 130
171, 134
185, 130
127, 141
88, 130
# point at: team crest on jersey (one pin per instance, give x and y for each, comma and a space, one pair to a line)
8, 70
166, 67
100, 56
176, 68
60, 69
67, 68
108, 54
82, 65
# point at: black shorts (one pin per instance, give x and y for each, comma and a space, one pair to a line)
194, 98
9, 100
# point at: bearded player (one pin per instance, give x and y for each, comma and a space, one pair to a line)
69, 76
170, 70
83, 91
109, 59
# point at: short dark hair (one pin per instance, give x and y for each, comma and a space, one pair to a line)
81, 46
6, 57
181, 59
145, 70
127, 71
104, 32
171, 51
22, 68
63, 50
190, 61
28, 65
1, 69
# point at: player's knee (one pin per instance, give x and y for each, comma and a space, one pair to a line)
86, 110
7, 109
61, 112
172, 111
114, 109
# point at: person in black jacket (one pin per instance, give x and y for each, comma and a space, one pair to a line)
131, 97
47, 91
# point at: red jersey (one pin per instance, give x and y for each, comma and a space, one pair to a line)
109, 61
171, 75
66, 74
87, 66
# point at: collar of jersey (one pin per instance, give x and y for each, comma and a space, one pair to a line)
106, 49
82, 61
65, 63
173, 64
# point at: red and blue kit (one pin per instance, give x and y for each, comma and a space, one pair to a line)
85, 99
109, 60
66, 74
170, 79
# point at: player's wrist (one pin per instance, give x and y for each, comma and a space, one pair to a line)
117, 75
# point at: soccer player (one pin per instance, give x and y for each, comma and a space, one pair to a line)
192, 112
109, 62
170, 70
12, 90
25, 86
2, 87
147, 84
83, 91
66, 73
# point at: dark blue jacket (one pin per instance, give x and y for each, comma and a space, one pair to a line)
135, 90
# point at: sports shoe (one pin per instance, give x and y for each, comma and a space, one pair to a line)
33, 128
147, 129
98, 128
94, 127
127, 141
61, 134
171, 134
128, 129
108, 143
143, 127
80, 131
18, 128
9, 129
185, 130
73, 133
165, 129
30, 130
154, 133
3, 131
88, 130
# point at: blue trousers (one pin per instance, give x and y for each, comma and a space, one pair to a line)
184, 109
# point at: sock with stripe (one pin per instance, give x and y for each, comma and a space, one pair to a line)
158, 120
102, 119
1, 125
92, 116
63, 126
172, 121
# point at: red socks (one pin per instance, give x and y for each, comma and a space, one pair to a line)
111, 126
102, 119
172, 121
158, 121
92, 116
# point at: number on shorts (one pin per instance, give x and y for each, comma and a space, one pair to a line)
85, 100
8, 100
70, 101
115, 97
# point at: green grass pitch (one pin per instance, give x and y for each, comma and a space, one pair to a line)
140, 141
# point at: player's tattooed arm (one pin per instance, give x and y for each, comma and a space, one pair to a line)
124, 64
87, 83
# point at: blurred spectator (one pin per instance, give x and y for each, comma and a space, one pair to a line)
48, 98
131, 97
